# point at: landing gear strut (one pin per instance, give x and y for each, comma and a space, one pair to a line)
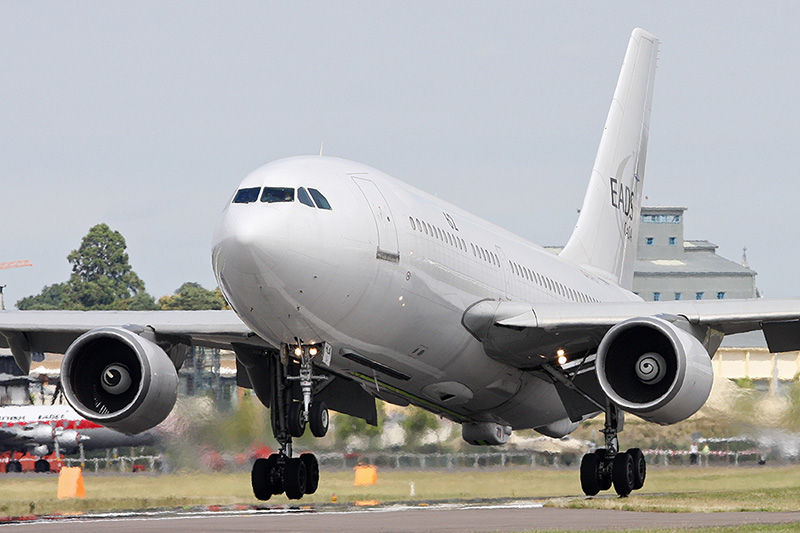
290, 413
607, 466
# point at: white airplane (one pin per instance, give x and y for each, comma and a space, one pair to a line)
349, 285
41, 429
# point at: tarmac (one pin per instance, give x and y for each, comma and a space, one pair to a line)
520, 515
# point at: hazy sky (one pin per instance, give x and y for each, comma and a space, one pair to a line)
146, 115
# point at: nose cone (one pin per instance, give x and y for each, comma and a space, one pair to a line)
247, 245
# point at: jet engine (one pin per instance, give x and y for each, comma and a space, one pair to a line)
68, 440
116, 378
654, 369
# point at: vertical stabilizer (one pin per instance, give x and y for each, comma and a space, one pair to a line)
605, 236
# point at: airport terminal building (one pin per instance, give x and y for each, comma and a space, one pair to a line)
671, 268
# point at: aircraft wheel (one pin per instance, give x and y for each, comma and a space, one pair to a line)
41, 465
274, 474
605, 472
312, 472
14, 466
590, 474
260, 479
623, 473
318, 419
294, 478
296, 424
639, 468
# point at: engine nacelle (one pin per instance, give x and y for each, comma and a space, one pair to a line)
654, 369
116, 378
485, 433
40, 450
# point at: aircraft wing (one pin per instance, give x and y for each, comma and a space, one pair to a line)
525, 335
531, 337
27, 332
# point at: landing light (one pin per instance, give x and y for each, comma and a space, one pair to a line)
562, 356
298, 351
312, 351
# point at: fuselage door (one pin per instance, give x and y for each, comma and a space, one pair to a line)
388, 249
506, 272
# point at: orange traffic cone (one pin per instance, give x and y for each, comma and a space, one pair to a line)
70, 483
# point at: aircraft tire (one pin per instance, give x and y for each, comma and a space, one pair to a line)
605, 473
294, 478
590, 474
639, 468
274, 475
260, 480
41, 466
623, 473
318, 419
295, 419
14, 466
312, 472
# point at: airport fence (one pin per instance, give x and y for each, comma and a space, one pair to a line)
444, 461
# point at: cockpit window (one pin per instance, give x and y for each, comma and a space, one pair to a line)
321, 201
246, 196
303, 198
277, 194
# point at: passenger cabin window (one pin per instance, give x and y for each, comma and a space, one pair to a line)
304, 198
246, 196
320, 200
277, 194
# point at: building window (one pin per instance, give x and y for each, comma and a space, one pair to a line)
662, 219
673, 241
698, 295
649, 241
677, 296
721, 295
656, 296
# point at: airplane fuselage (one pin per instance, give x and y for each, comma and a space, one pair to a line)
387, 273
39, 427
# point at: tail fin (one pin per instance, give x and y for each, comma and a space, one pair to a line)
606, 232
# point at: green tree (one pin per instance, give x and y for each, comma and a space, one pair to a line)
346, 426
192, 296
102, 278
51, 297
417, 422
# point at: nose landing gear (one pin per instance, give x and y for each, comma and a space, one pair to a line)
280, 472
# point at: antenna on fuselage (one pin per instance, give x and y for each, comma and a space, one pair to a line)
321, 146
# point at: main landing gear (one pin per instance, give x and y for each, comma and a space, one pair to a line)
607, 466
291, 411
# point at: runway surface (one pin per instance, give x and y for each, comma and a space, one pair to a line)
512, 516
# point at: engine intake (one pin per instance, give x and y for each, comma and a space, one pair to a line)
116, 378
654, 369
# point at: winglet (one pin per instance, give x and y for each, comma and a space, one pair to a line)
605, 235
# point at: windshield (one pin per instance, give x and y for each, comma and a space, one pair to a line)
246, 196
277, 194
